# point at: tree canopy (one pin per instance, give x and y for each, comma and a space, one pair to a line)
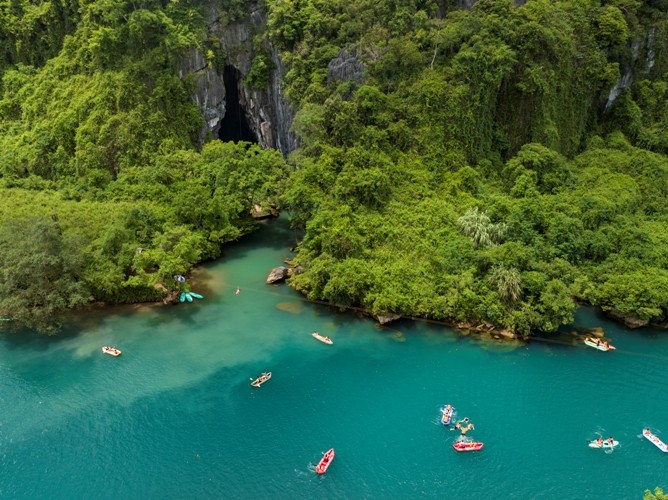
106, 193
480, 171
495, 165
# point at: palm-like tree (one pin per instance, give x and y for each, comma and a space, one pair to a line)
476, 224
508, 282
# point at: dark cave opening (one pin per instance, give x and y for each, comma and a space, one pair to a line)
234, 126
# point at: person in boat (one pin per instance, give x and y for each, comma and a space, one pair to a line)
599, 441
606, 345
611, 441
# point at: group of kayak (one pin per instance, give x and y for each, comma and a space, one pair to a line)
464, 425
604, 345
257, 382
464, 443
328, 456
611, 443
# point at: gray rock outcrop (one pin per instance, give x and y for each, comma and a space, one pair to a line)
277, 274
387, 318
209, 90
628, 320
345, 67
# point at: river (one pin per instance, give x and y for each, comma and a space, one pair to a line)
175, 417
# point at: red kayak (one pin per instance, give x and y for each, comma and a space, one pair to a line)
326, 459
467, 446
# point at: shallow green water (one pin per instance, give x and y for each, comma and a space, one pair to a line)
175, 416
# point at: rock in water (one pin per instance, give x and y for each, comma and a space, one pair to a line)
277, 274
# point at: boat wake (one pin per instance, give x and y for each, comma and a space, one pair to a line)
307, 473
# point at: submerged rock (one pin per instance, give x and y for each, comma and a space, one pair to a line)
595, 332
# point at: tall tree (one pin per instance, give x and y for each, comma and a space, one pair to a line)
38, 275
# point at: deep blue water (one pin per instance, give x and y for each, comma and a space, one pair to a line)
175, 416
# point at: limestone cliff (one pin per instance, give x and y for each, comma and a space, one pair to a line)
221, 90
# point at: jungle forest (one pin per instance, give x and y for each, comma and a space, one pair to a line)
499, 164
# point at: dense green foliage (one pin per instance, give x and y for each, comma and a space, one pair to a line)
657, 495
40, 275
472, 176
475, 172
104, 195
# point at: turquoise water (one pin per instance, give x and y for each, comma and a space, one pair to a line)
175, 416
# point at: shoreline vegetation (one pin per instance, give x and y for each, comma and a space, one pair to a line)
493, 331
491, 166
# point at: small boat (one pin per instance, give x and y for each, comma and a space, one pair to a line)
606, 444
467, 445
325, 462
261, 379
182, 297
322, 338
196, 295
111, 351
655, 439
189, 297
446, 414
599, 344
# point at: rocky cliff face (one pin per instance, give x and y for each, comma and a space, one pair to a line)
265, 113
209, 90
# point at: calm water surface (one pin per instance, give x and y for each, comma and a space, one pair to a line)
175, 416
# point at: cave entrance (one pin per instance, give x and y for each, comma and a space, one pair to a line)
234, 126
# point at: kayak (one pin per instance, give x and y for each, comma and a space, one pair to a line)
182, 297
446, 414
322, 338
655, 439
605, 444
261, 379
196, 295
467, 445
325, 462
189, 297
111, 351
600, 346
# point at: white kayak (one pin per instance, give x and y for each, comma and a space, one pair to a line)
655, 440
606, 444
599, 344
